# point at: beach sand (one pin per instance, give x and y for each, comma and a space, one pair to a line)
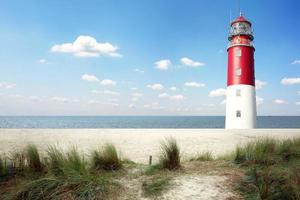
138, 144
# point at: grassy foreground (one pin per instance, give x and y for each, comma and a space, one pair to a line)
272, 171
58, 175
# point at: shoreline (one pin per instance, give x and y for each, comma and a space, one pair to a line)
138, 144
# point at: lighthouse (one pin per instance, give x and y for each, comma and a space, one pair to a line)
240, 97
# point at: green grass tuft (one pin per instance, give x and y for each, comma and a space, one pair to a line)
153, 169
18, 162
79, 188
273, 168
106, 159
262, 151
170, 154
204, 156
55, 161
33, 158
74, 162
3, 167
62, 164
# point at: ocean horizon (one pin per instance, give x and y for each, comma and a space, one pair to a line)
180, 122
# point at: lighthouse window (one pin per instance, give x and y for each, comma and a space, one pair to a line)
238, 52
238, 71
238, 114
238, 92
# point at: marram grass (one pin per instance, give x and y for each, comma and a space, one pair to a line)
273, 168
170, 154
66, 175
204, 156
106, 158
3, 167
33, 158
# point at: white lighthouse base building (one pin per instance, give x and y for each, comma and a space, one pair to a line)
240, 107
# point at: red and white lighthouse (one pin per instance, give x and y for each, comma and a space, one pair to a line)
241, 98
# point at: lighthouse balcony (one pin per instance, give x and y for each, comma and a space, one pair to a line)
232, 44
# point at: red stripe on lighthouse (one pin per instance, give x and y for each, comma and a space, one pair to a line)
240, 65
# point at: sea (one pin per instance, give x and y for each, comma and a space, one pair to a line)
192, 122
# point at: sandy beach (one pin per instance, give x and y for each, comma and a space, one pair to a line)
138, 144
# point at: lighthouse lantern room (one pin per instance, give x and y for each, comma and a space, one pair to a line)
240, 98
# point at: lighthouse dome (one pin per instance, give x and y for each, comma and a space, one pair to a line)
241, 18
240, 26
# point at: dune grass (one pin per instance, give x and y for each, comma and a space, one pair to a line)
3, 167
272, 171
273, 168
71, 187
33, 158
74, 162
204, 156
55, 160
17, 162
170, 154
66, 175
106, 159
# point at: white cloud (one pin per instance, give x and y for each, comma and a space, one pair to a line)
8, 85
90, 78
139, 71
137, 94
87, 46
163, 64
260, 84
43, 61
164, 95
299, 92
111, 104
298, 103
17, 96
131, 106
34, 98
173, 88
280, 101
96, 92
190, 63
171, 97
194, 84
217, 92
177, 97
134, 99
156, 86
154, 106
223, 102
259, 100
296, 62
93, 102
134, 88
59, 99
290, 81
209, 105
108, 82
108, 92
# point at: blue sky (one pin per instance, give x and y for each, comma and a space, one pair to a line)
141, 57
